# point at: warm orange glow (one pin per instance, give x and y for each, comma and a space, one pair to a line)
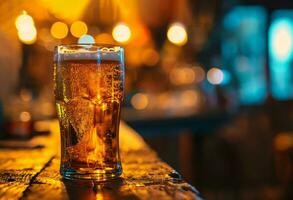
67, 10
139, 101
78, 29
46, 39
150, 57
189, 98
104, 38
59, 30
42, 125
28, 35
25, 95
25, 116
47, 108
121, 33
99, 196
23, 21
283, 141
199, 74
177, 34
180, 76
27, 32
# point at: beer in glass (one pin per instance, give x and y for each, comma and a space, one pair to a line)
89, 85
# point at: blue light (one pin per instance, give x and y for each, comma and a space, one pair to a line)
281, 54
226, 77
243, 51
86, 39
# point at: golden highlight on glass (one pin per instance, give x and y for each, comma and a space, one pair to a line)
89, 85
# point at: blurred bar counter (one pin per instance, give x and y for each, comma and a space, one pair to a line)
31, 171
148, 122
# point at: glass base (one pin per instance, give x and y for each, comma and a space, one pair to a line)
89, 174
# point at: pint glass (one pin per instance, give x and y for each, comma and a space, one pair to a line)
89, 85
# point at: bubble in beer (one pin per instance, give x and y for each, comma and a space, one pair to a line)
89, 96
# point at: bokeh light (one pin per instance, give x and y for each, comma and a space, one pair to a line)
189, 98
59, 30
150, 57
177, 34
78, 29
280, 46
23, 21
25, 95
283, 141
281, 39
25, 116
226, 77
199, 74
215, 76
86, 39
27, 32
181, 76
139, 101
28, 35
121, 33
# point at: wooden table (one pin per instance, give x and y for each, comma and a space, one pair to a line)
33, 173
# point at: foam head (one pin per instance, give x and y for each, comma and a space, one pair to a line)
99, 54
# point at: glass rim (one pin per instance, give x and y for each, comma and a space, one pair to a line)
88, 51
88, 44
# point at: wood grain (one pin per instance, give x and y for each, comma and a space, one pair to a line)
145, 176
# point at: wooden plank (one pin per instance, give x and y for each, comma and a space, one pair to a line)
19, 167
145, 176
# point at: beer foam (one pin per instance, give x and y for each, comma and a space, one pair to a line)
111, 56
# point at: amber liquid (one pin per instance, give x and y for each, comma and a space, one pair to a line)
88, 99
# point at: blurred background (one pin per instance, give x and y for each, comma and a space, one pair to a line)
209, 83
